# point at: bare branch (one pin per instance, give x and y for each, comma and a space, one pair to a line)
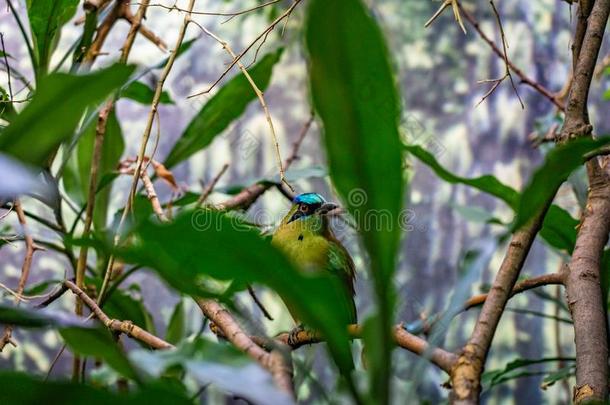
276, 362
210, 187
524, 78
126, 327
30, 248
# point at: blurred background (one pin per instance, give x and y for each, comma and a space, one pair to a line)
437, 72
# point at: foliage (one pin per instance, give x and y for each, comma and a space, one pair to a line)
48, 152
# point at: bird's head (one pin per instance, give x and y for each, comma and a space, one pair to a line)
308, 212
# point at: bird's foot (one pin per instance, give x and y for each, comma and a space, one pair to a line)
293, 335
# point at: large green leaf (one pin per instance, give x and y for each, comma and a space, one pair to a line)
56, 110
558, 164
214, 363
227, 105
122, 305
97, 342
488, 184
25, 318
176, 325
80, 336
355, 95
559, 227
143, 94
77, 170
204, 244
24, 389
46, 19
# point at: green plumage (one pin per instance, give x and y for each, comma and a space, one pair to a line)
305, 236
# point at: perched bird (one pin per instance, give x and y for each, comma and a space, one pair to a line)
305, 236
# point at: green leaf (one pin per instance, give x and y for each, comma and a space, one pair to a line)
558, 164
559, 227
488, 184
77, 171
143, 94
46, 19
223, 108
25, 389
26, 318
7, 110
55, 111
494, 377
559, 375
176, 326
86, 39
97, 342
213, 363
122, 305
203, 244
355, 95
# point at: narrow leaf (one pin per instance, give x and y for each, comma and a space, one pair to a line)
204, 244
558, 164
98, 343
354, 93
143, 94
46, 19
176, 325
221, 110
56, 110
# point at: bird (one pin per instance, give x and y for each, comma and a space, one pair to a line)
304, 235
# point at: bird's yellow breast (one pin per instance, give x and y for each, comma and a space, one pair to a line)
305, 249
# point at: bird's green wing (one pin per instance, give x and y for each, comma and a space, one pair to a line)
341, 264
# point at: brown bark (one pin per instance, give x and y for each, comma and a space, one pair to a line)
466, 375
126, 327
584, 296
440, 357
583, 288
277, 362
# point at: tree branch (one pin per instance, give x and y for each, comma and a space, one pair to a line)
30, 248
466, 375
126, 327
583, 284
441, 358
524, 78
531, 283
277, 362
249, 195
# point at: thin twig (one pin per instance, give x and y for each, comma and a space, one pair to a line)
505, 49
261, 99
126, 327
258, 303
30, 248
210, 187
219, 14
8, 68
250, 194
456, 14
144, 143
241, 55
524, 78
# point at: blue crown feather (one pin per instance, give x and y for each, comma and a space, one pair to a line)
309, 198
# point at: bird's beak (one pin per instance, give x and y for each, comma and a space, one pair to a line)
326, 208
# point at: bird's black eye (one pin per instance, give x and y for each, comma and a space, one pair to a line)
304, 208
